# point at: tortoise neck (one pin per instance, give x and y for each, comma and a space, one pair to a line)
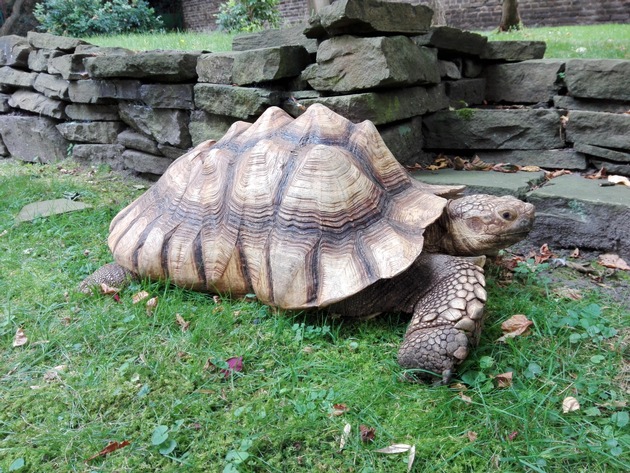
438, 237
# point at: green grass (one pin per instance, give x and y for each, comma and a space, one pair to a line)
593, 41
138, 377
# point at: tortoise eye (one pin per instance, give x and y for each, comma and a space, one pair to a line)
507, 215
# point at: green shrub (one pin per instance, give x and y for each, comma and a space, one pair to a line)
80, 18
248, 15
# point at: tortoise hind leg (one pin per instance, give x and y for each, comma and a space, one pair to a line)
447, 319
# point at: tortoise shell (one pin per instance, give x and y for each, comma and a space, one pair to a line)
301, 212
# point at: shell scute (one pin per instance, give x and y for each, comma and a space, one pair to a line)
302, 212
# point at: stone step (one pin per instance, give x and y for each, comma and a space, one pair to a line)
571, 211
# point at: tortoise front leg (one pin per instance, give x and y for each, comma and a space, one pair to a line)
447, 320
111, 274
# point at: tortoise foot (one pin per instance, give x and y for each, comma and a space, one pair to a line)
111, 274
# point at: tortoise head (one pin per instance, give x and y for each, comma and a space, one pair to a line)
484, 224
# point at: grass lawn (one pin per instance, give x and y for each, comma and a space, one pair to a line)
96, 370
593, 41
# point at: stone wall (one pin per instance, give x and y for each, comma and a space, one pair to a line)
428, 90
466, 14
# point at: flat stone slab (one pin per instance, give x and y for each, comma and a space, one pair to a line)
564, 158
46, 208
14, 51
240, 102
145, 163
602, 152
51, 41
575, 212
510, 51
37, 103
366, 17
206, 126
16, 78
216, 68
404, 140
166, 66
84, 112
91, 132
291, 36
166, 126
34, 139
517, 184
91, 154
268, 64
523, 82
51, 86
168, 95
453, 40
590, 105
103, 91
609, 130
598, 78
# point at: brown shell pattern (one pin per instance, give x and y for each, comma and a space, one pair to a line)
301, 212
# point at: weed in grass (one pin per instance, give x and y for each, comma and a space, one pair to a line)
138, 377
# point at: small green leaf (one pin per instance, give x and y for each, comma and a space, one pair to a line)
144, 390
597, 359
616, 451
236, 457
486, 362
168, 447
160, 434
17, 464
533, 370
620, 419
592, 412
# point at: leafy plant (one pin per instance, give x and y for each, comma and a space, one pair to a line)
248, 15
93, 17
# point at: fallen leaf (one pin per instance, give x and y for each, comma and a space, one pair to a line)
20, 338
412, 457
139, 296
339, 409
459, 164
151, 305
472, 435
553, 174
111, 447
344, 436
216, 299
367, 433
53, 374
516, 325
570, 404
395, 448
466, 399
504, 380
575, 253
505, 167
4, 232
568, 293
181, 322
613, 261
531, 169
543, 254
478, 165
235, 365
109, 290
619, 180
513, 435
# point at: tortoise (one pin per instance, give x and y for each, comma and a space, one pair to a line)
315, 212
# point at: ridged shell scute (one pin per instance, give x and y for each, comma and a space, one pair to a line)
301, 212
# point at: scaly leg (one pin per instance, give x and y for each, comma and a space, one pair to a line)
111, 274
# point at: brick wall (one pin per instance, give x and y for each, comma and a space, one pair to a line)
467, 14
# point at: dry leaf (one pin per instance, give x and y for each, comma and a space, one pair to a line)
412, 457
513, 435
339, 409
181, 322
601, 174
472, 435
139, 296
531, 169
516, 325
570, 404
575, 253
619, 180
568, 293
543, 254
344, 436
613, 261
466, 399
216, 299
478, 165
53, 374
505, 167
395, 448
151, 305
367, 433
111, 447
504, 380
109, 290
558, 173
20, 338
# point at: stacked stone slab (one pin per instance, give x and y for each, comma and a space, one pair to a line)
429, 90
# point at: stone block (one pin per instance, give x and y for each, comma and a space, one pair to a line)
91, 132
110, 155
16, 78
94, 50
138, 141
493, 129
602, 152
145, 163
239, 102
38, 59
451, 40
348, 64
404, 140
205, 126
166, 126
449, 70
171, 152
216, 68
37, 103
14, 51
598, 78
290, 36
268, 64
472, 67
563, 158
465, 92
168, 95
162, 66
50, 41
368, 17
575, 212
103, 91
51, 86
69, 66
523, 82
383, 107
4, 152
511, 51
33, 139
612, 167
610, 130
4, 103
590, 105
83, 112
